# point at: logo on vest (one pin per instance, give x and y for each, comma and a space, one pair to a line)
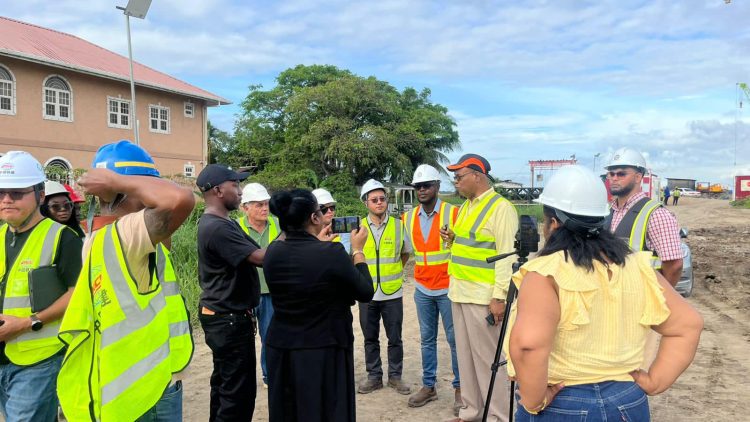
26, 265
101, 298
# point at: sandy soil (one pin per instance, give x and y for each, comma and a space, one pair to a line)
715, 387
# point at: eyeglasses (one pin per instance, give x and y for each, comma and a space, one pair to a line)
377, 200
620, 174
14, 195
419, 186
457, 177
61, 207
324, 210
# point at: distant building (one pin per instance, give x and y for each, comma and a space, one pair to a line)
507, 184
680, 183
62, 97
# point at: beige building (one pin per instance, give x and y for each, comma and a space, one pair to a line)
62, 97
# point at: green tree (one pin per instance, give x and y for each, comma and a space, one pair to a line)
326, 121
222, 147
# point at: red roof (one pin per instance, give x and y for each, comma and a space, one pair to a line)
33, 43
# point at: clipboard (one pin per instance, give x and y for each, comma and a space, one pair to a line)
45, 287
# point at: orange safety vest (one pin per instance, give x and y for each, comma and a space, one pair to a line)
431, 257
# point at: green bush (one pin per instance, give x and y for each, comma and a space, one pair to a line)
741, 203
185, 261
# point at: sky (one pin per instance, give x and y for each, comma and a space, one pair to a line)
524, 80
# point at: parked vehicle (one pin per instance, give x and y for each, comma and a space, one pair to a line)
689, 192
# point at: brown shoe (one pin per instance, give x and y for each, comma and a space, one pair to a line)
370, 385
399, 386
422, 397
458, 403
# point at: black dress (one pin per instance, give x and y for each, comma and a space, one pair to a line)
310, 343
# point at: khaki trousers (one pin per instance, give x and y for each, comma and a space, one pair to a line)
476, 343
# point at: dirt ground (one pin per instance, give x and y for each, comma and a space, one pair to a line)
716, 387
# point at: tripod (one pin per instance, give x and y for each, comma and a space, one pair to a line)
509, 299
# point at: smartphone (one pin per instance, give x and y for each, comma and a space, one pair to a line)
344, 224
490, 319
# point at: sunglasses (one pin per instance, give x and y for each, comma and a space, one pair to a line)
324, 210
377, 199
419, 186
62, 207
620, 174
14, 195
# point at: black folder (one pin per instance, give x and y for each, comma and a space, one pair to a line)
45, 287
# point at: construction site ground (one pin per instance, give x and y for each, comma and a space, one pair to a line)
715, 388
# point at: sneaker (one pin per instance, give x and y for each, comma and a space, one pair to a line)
458, 403
422, 397
370, 385
398, 385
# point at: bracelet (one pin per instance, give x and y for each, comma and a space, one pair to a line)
539, 408
356, 252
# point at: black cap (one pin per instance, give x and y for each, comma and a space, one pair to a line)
215, 174
472, 161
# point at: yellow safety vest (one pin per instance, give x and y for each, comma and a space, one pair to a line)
39, 250
471, 247
634, 226
273, 227
384, 258
438, 256
120, 357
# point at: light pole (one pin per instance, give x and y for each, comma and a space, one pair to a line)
595, 157
136, 9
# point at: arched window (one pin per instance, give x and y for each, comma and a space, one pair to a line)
58, 99
58, 169
7, 91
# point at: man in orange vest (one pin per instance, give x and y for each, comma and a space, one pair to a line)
431, 275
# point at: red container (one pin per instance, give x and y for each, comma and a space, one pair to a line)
741, 187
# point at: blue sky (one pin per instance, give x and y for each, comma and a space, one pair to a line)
524, 80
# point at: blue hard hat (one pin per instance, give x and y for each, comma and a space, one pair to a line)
126, 158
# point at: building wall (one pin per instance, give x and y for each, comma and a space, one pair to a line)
77, 141
681, 183
741, 187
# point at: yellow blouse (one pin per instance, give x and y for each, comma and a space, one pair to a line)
603, 323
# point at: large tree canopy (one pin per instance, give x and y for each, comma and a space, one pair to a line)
320, 121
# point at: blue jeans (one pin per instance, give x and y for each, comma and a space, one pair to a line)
604, 401
429, 309
168, 408
264, 312
28, 393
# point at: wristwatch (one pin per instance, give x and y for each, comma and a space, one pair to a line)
36, 323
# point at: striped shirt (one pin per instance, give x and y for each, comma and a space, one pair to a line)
662, 231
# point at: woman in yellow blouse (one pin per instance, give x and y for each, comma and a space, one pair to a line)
584, 308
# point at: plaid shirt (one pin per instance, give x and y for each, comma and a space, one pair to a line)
662, 232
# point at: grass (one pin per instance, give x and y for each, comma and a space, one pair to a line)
185, 261
741, 203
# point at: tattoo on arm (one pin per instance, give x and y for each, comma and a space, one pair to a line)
157, 224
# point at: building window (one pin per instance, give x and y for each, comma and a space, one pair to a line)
189, 110
189, 170
118, 114
159, 119
58, 99
7, 92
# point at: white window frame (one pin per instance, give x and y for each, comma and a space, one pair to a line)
191, 106
56, 104
120, 114
188, 170
12, 81
160, 108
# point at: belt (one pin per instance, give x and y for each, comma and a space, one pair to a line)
248, 312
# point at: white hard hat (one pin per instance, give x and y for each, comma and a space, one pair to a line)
576, 190
323, 196
370, 185
425, 173
254, 192
53, 188
18, 169
627, 157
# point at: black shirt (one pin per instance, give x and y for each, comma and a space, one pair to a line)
229, 282
313, 284
68, 263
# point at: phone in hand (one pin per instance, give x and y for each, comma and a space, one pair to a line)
490, 319
344, 224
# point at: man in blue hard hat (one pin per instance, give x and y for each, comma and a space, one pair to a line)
127, 326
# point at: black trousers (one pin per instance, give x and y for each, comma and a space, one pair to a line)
311, 385
392, 312
232, 342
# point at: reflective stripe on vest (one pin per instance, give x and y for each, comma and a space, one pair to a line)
384, 259
118, 362
634, 226
181, 344
273, 227
470, 246
39, 250
431, 257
